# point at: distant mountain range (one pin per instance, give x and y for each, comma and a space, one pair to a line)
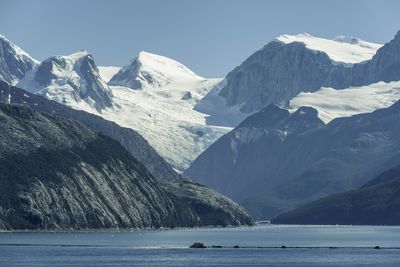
285, 127
181, 113
274, 160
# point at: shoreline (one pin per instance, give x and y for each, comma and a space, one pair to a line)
152, 229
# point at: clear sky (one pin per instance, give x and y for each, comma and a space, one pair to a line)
209, 36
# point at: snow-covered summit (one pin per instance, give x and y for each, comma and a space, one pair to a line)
165, 65
14, 62
18, 51
161, 106
149, 70
73, 80
343, 49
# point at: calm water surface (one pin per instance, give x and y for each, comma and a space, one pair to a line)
170, 247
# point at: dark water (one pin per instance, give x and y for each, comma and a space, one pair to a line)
354, 247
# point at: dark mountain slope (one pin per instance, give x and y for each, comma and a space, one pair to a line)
275, 161
375, 203
56, 174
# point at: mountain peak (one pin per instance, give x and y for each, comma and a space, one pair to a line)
69, 80
268, 117
342, 49
163, 64
14, 62
17, 49
397, 36
79, 54
302, 119
306, 111
286, 37
152, 70
70, 59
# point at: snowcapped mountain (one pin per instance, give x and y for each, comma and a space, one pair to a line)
302, 63
156, 96
73, 80
365, 87
269, 163
14, 62
149, 70
341, 49
181, 113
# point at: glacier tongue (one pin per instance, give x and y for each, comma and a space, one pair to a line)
157, 96
332, 103
169, 123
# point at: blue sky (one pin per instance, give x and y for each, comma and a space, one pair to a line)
209, 36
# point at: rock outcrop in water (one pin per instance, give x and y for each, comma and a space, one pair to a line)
375, 203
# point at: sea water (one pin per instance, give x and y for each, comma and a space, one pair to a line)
269, 245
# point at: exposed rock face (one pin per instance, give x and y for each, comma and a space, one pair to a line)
69, 79
14, 62
130, 139
375, 203
212, 209
127, 76
384, 66
275, 161
275, 74
280, 71
56, 174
